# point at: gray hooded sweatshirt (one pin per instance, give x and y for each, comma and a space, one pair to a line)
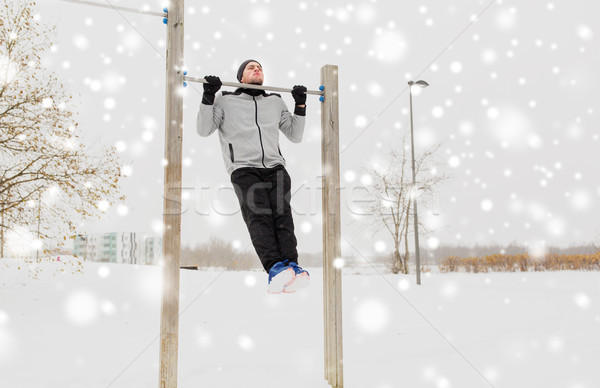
249, 127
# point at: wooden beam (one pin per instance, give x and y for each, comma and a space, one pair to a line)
332, 246
169, 323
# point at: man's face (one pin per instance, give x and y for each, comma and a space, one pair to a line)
253, 74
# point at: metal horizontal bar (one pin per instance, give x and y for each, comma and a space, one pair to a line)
252, 86
117, 8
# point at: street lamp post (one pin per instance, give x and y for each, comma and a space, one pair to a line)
422, 84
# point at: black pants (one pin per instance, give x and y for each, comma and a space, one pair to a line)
264, 195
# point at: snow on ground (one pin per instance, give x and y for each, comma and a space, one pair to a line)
62, 325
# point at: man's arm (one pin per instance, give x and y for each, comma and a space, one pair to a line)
292, 126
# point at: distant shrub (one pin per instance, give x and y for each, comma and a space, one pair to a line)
450, 264
521, 262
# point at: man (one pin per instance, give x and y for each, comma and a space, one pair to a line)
249, 121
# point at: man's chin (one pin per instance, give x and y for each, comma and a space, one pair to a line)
256, 82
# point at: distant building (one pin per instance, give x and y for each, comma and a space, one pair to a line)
118, 247
153, 250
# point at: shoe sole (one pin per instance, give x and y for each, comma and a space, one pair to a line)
300, 281
279, 282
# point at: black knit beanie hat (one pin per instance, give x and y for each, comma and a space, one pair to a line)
240, 72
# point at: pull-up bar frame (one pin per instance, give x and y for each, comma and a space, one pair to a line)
330, 164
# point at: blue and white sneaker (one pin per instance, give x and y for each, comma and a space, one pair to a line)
280, 275
301, 279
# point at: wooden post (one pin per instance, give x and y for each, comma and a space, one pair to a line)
169, 323
332, 245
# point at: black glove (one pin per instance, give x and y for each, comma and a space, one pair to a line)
299, 94
213, 84
210, 89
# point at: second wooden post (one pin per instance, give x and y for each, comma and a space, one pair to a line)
332, 246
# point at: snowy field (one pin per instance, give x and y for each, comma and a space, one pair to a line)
98, 325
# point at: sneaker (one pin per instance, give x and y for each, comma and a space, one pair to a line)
280, 275
301, 279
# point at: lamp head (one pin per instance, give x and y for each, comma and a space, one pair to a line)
419, 83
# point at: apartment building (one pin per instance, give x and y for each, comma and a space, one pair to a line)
118, 247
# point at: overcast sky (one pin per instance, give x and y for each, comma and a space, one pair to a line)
513, 99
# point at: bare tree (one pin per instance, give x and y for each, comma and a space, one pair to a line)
392, 185
49, 179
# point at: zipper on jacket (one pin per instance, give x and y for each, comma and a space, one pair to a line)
259, 131
231, 153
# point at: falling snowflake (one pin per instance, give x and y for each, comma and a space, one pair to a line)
487, 205
246, 343
81, 307
372, 316
389, 47
582, 301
